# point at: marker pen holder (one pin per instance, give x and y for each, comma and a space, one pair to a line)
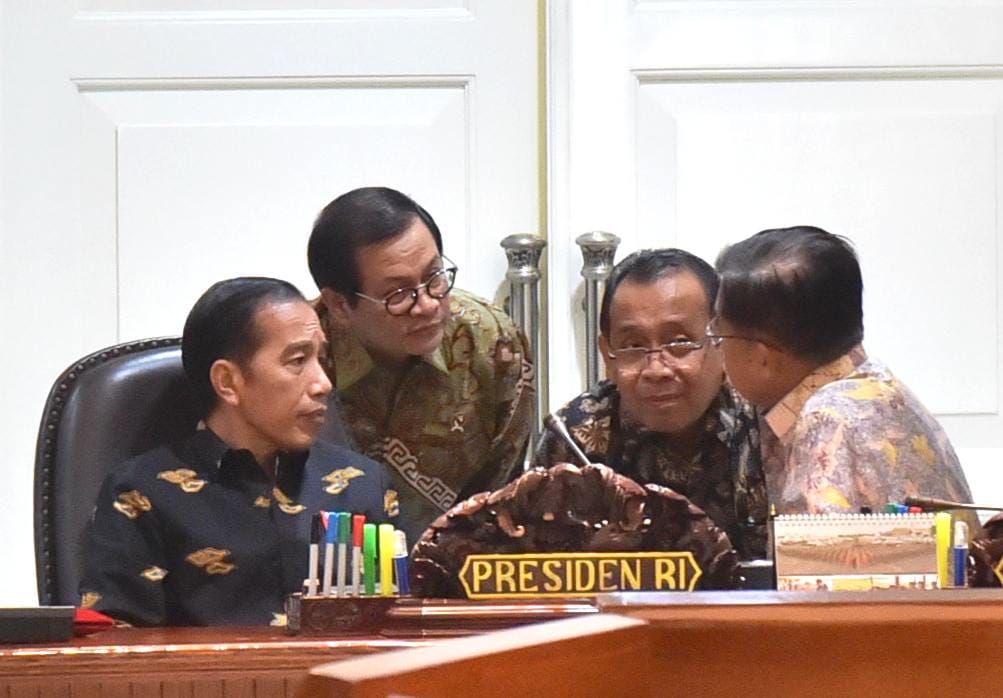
326, 615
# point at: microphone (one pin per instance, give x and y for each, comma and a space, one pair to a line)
552, 422
932, 504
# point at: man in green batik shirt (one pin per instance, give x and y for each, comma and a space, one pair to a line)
434, 382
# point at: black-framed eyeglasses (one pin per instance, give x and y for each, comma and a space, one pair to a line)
636, 358
437, 286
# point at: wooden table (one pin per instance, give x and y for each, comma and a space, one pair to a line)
176, 662
135, 662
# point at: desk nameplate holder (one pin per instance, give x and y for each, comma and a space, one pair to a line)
404, 615
503, 590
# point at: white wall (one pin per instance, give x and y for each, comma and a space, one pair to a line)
45, 281
151, 148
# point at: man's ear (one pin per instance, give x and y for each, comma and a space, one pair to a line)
227, 380
715, 354
337, 305
767, 359
604, 353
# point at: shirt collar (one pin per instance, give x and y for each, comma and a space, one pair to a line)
207, 448
213, 454
782, 416
352, 362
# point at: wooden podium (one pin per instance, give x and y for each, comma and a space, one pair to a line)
705, 643
710, 643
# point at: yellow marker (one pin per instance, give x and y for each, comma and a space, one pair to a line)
942, 526
386, 560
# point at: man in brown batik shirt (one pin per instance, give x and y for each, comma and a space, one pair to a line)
665, 415
434, 382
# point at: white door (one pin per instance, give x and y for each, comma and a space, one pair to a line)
151, 147
693, 124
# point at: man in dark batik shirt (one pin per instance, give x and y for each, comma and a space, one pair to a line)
214, 530
665, 415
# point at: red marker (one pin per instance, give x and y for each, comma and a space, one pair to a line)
358, 525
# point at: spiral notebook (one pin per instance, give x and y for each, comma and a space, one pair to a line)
835, 552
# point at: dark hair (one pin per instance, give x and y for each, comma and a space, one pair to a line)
361, 217
647, 266
221, 325
800, 286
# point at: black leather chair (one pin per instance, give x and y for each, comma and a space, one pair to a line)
104, 409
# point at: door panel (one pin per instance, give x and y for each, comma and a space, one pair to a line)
153, 147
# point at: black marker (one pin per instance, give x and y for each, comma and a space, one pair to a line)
316, 535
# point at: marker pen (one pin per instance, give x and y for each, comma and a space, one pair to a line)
316, 533
369, 558
386, 560
959, 554
942, 528
358, 523
344, 529
329, 540
400, 563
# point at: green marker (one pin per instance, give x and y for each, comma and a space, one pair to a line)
369, 558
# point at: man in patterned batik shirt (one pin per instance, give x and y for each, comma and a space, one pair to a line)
840, 431
665, 416
434, 382
214, 530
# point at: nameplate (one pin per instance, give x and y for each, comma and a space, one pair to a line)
538, 575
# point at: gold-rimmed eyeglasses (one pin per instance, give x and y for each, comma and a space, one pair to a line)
631, 359
715, 338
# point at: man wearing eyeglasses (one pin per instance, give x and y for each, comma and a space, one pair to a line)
434, 382
840, 431
664, 415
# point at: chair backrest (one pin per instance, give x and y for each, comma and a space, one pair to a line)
104, 409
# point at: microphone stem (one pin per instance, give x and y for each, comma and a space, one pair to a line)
556, 425
932, 504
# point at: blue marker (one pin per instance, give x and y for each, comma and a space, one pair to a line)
959, 554
330, 539
400, 563
344, 533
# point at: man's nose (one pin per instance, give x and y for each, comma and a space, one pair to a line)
659, 365
424, 304
320, 385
